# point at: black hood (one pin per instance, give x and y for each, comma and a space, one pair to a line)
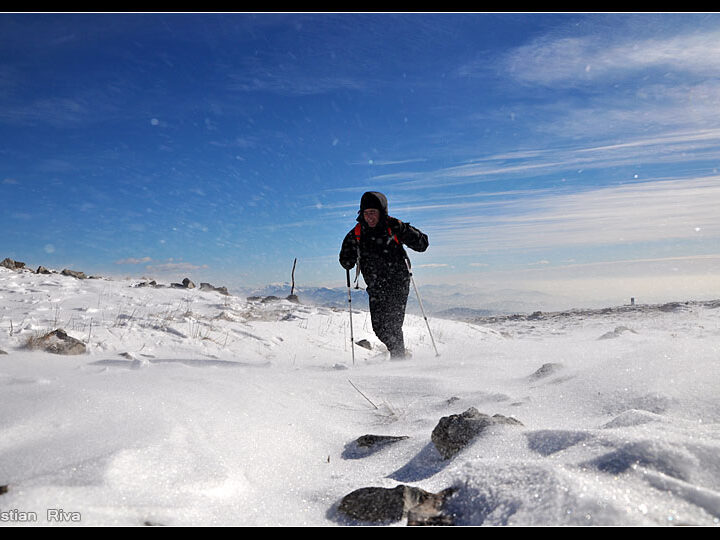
373, 199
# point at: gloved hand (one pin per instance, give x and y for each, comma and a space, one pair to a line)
396, 226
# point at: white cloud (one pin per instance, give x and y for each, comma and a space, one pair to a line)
133, 260
578, 60
176, 267
671, 146
658, 211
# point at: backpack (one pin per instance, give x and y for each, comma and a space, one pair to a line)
357, 232
358, 228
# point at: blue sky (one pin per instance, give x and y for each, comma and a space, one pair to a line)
571, 153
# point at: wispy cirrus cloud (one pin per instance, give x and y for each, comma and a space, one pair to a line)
681, 146
650, 212
134, 260
635, 75
609, 55
170, 267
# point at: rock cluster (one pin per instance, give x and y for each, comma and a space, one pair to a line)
12, 265
186, 284
420, 507
20, 266
266, 299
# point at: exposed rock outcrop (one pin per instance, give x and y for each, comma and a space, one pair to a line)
74, 273
386, 505
11, 264
208, 287
455, 432
57, 342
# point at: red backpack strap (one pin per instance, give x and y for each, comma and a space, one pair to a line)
357, 234
394, 236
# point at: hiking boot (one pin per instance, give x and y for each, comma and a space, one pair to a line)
405, 354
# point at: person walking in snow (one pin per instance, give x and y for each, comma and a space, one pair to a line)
376, 243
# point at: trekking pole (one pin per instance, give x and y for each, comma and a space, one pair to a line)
407, 263
352, 338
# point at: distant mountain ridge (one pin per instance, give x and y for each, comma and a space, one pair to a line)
446, 301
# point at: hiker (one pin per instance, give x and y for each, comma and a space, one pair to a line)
376, 243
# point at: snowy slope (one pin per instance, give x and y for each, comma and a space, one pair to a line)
194, 408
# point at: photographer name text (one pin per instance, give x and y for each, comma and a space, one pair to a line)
56, 515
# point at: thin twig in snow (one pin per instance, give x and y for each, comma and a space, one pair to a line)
363, 395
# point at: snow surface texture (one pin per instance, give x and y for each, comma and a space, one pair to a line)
194, 408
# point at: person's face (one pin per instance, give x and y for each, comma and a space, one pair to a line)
372, 216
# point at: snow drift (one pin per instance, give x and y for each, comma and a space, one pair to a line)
194, 408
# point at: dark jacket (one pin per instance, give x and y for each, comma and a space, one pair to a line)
382, 258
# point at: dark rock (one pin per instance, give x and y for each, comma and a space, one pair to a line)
186, 284
673, 306
369, 444
3, 490
2, 352
364, 343
375, 504
368, 441
11, 264
208, 287
546, 370
58, 342
456, 431
293, 298
152, 283
270, 299
74, 273
385, 505
42, 270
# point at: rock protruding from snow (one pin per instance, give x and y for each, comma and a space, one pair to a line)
74, 273
11, 264
385, 505
212, 288
455, 432
58, 342
186, 284
617, 332
369, 444
547, 369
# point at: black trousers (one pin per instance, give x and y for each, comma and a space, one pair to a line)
387, 314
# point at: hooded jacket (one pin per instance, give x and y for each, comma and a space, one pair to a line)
381, 256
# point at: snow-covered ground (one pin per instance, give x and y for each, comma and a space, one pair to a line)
194, 408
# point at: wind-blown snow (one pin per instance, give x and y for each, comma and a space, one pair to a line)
194, 408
